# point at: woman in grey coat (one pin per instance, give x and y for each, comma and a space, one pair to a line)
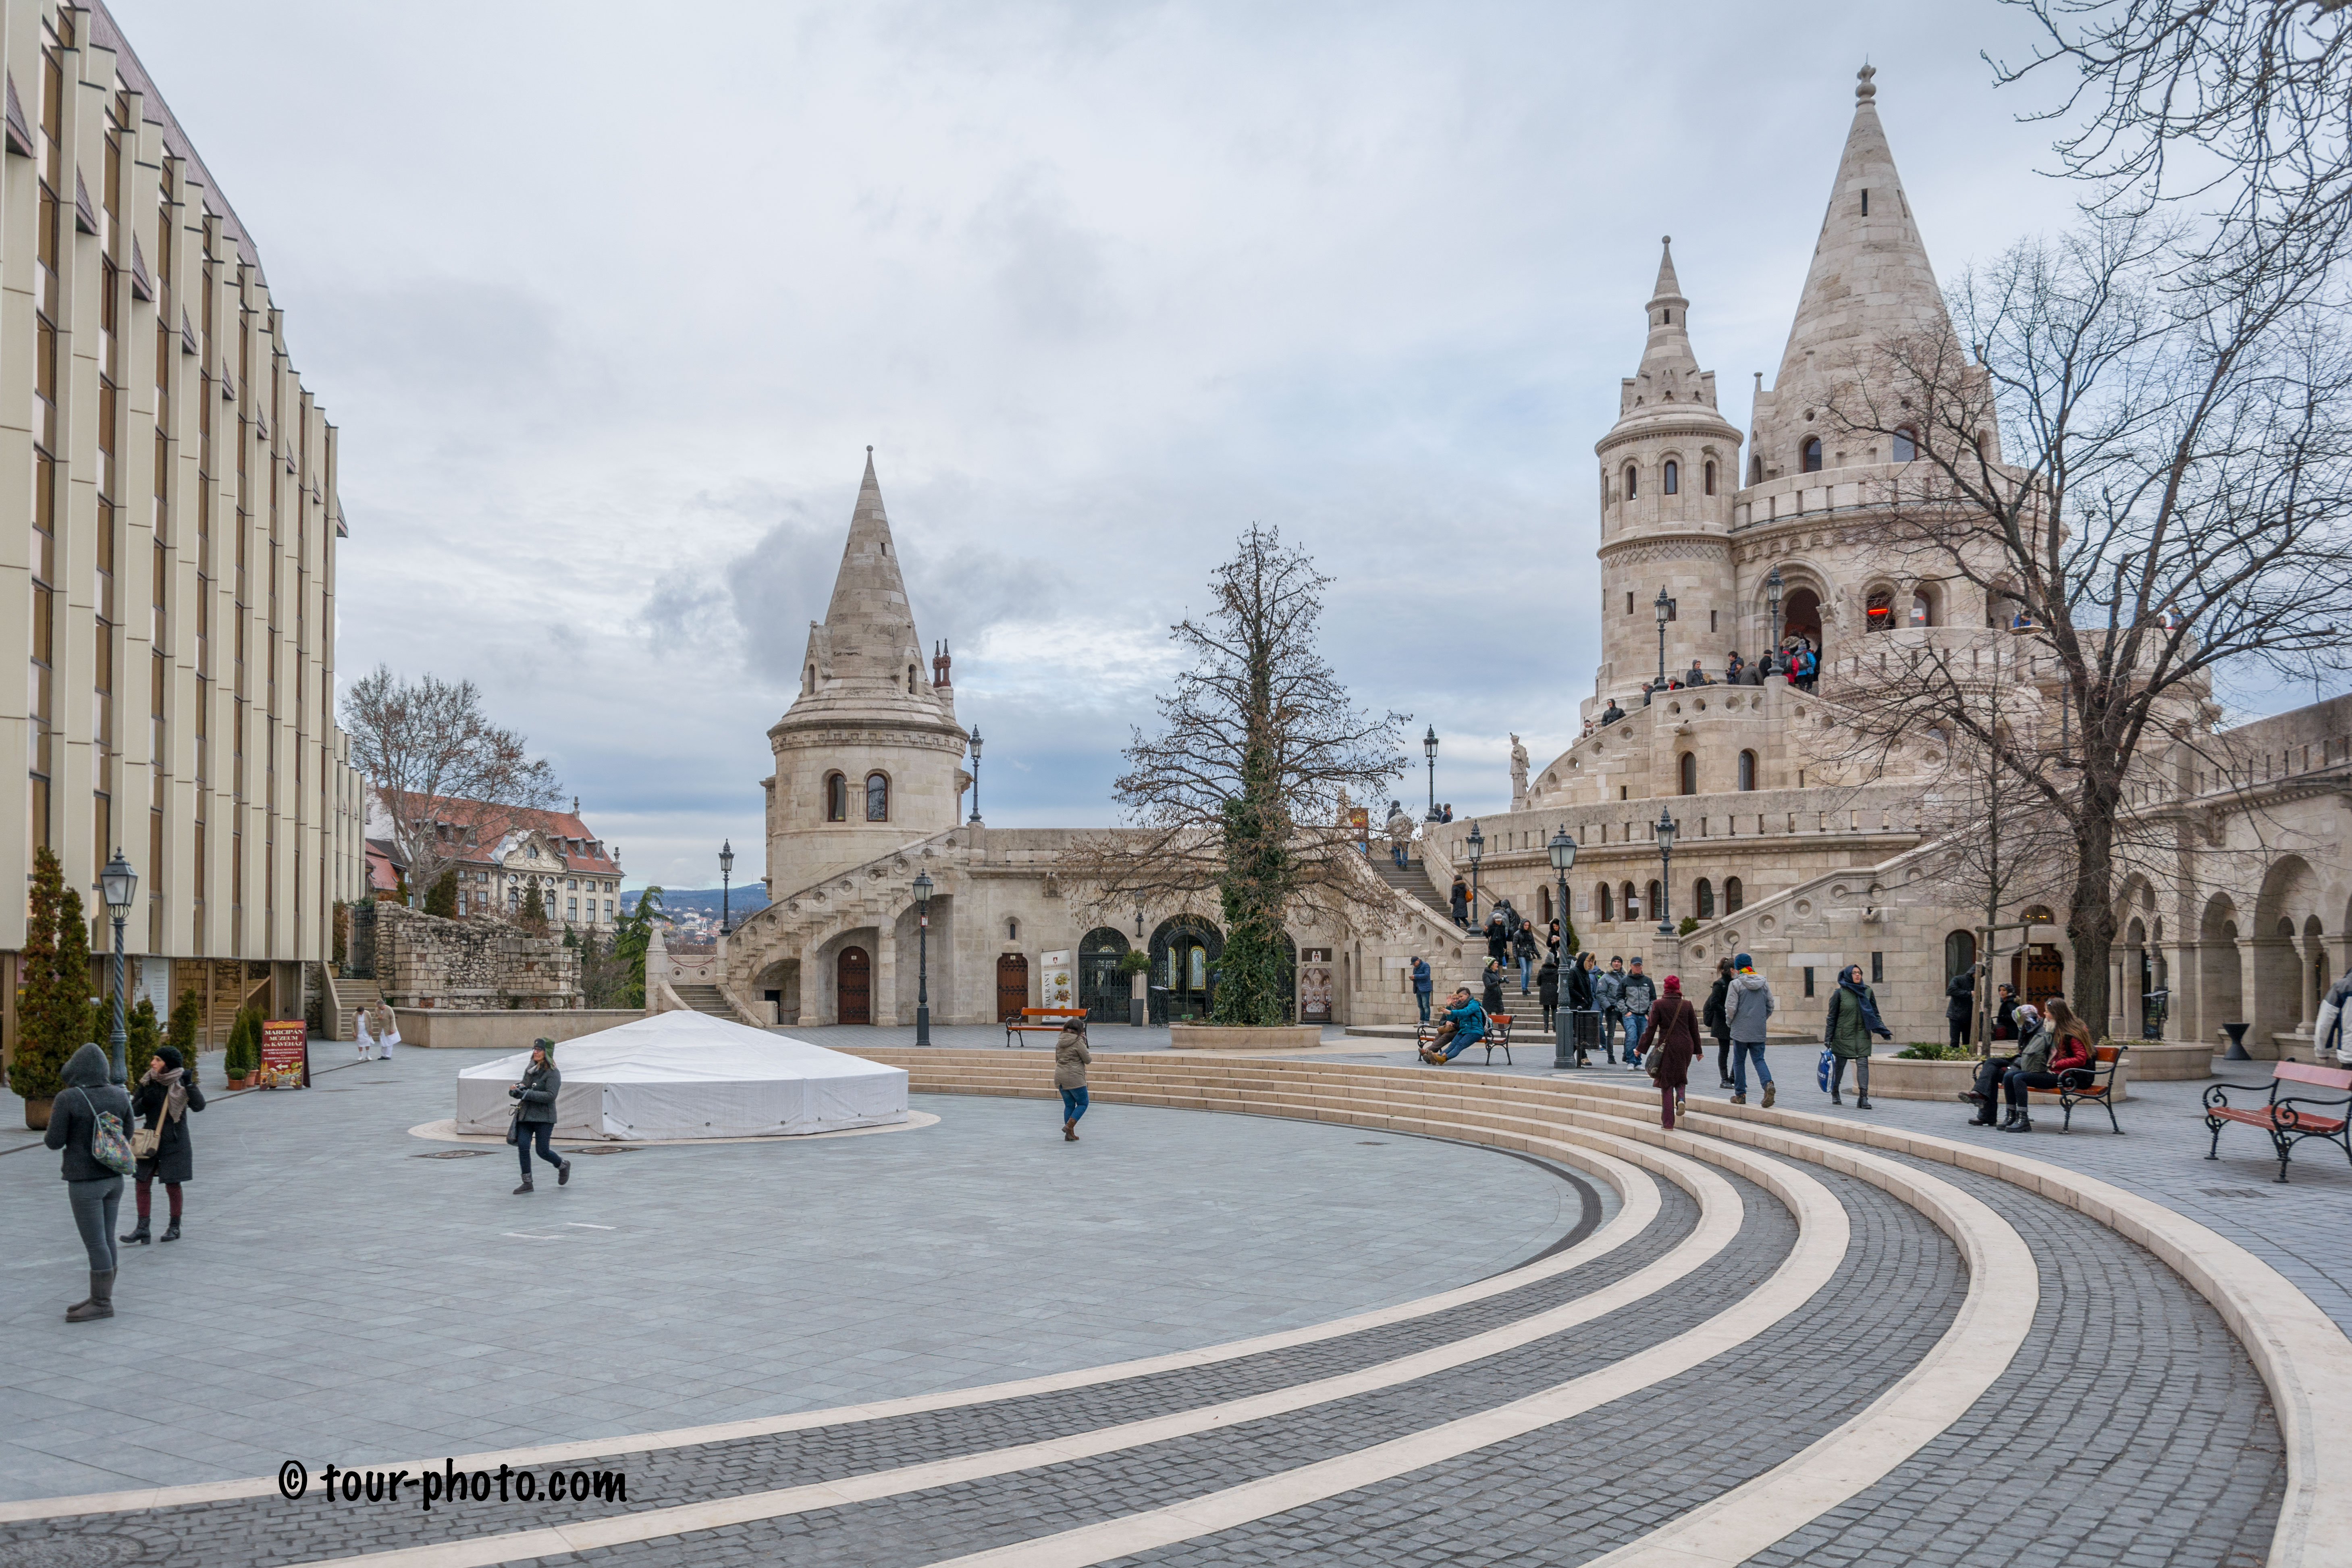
535, 1112
95, 1190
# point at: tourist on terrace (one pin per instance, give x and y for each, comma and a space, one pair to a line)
1853, 1019
1733, 667
1986, 1092
1070, 1059
164, 1097
2060, 1048
1609, 989
1399, 830
93, 1185
1527, 949
1464, 1025
1960, 1005
1697, 677
1421, 985
1718, 1021
534, 1099
1638, 992
1674, 1046
1459, 897
1548, 992
1751, 1004
1610, 714
1583, 1007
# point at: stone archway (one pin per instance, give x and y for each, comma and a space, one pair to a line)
1801, 615
1184, 953
1103, 989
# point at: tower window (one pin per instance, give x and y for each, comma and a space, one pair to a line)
1732, 897
1865, 203
1812, 453
1756, 470
1628, 601
1607, 903
1747, 769
877, 798
836, 798
1709, 473
1923, 609
1632, 482
812, 679
1703, 897
1673, 482
1667, 317
1689, 769
1907, 445
911, 678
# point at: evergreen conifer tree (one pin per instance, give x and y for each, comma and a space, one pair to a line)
534, 910
441, 899
145, 1032
187, 1016
38, 1058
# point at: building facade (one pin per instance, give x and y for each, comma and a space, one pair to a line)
174, 586
501, 852
1787, 846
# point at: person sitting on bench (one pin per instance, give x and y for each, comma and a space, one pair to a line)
1464, 1026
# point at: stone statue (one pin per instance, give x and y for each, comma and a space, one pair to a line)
1518, 771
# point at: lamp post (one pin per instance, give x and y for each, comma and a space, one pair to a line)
975, 773
1563, 857
1772, 588
1666, 608
118, 884
923, 958
726, 881
1429, 749
1665, 832
1477, 848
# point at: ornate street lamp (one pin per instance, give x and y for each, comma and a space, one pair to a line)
1666, 608
1563, 857
923, 958
1665, 832
1429, 749
1477, 848
1772, 588
118, 884
975, 773
726, 880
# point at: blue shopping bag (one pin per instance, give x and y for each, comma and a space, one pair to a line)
1828, 1056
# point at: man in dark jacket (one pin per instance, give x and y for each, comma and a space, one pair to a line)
1498, 936
1639, 991
93, 1188
1421, 985
1718, 1021
1610, 714
1582, 1007
1960, 1005
1609, 992
535, 1112
1547, 992
1525, 949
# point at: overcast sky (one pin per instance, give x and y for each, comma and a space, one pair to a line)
608, 299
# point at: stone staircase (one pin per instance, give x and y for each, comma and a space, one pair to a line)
1411, 879
350, 995
705, 999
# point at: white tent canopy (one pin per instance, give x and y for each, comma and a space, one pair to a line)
684, 1075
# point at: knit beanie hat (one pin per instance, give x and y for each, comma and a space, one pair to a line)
172, 1060
1674, 985
1743, 961
544, 1043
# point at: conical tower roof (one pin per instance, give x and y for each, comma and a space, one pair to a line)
1669, 386
868, 620
1870, 282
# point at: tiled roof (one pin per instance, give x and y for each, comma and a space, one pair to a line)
578, 849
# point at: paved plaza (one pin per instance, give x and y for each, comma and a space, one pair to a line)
1193, 1338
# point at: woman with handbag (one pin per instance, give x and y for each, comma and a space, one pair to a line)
534, 1099
91, 1121
1674, 1044
164, 1098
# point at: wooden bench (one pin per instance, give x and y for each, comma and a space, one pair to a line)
2290, 1117
1497, 1037
1029, 1021
2094, 1085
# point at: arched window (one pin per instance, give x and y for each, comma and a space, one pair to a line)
1632, 482
1709, 472
1812, 453
1923, 609
1543, 904
1747, 769
1603, 903
1702, 899
1879, 612
1672, 481
1907, 445
1656, 903
1688, 767
1012, 930
811, 684
911, 678
877, 798
1732, 897
1756, 470
1633, 908
1960, 953
836, 798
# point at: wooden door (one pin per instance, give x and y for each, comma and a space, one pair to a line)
852, 987
2039, 973
1012, 985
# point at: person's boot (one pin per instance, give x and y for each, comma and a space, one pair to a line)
2023, 1123
1833, 1096
101, 1299
1768, 1096
1739, 1099
1862, 1103
140, 1236
1982, 1119
563, 1172
172, 1231
524, 1188
2009, 1119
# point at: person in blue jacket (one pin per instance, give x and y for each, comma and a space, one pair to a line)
1464, 1025
1420, 987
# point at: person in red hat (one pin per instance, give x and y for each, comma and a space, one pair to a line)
1674, 1044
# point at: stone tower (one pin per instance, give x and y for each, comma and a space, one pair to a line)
1668, 469
867, 756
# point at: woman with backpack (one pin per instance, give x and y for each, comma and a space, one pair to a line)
1853, 1019
91, 1121
164, 1098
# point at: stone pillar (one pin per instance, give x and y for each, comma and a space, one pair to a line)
886, 971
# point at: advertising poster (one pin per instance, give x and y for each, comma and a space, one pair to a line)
285, 1054
1313, 985
1057, 986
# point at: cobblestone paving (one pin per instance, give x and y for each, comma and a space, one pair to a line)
339, 1297
902, 1532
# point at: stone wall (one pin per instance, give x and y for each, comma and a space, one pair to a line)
424, 960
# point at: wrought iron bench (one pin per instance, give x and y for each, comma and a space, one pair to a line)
2288, 1118
2093, 1085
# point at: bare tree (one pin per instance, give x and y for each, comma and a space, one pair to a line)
2144, 470
1243, 793
450, 781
